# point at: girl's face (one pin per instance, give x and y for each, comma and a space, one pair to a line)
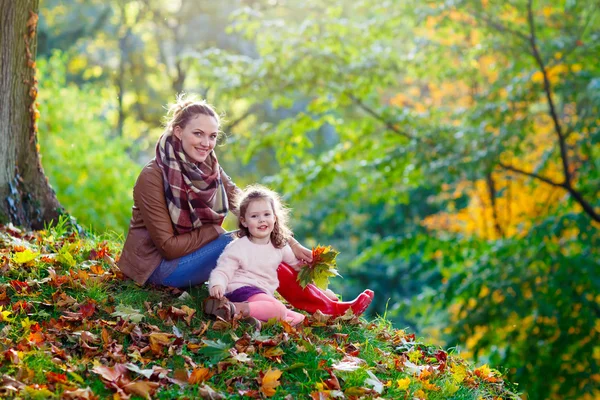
260, 220
199, 137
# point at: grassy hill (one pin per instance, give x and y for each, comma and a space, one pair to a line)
73, 327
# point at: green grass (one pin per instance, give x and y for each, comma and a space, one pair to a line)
58, 326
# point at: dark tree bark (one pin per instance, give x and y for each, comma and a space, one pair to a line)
26, 198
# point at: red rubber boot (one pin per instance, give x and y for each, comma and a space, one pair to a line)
311, 298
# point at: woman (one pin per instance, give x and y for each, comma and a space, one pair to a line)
181, 198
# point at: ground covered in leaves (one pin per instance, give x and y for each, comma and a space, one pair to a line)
72, 327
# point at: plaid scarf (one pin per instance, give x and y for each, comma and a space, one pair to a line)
195, 193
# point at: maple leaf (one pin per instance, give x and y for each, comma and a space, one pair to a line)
65, 257
4, 314
348, 364
128, 313
88, 309
144, 389
269, 381
332, 382
320, 269
215, 350
25, 256
20, 286
54, 377
79, 394
200, 375
206, 392
111, 374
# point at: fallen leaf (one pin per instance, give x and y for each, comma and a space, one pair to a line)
111, 374
200, 375
128, 313
269, 381
79, 394
348, 364
209, 393
141, 388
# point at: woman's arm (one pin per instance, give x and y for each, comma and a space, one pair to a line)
149, 197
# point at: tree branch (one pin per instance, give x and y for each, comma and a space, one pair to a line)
498, 26
532, 175
548, 92
587, 207
492, 192
380, 118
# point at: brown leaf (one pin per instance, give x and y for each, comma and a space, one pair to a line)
141, 388
253, 394
111, 374
79, 394
88, 309
160, 338
12, 355
189, 313
200, 375
273, 352
209, 393
318, 318
332, 382
269, 381
106, 339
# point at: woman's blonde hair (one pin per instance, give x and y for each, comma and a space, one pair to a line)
281, 233
186, 108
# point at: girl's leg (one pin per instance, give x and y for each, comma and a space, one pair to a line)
294, 318
264, 307
194, 268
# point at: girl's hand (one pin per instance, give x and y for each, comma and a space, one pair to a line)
301, 252
216, 291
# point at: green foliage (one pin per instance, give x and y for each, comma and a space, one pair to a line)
83, 159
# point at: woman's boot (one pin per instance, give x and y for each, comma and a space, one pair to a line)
311, 298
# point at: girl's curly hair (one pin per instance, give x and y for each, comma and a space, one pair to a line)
281, 233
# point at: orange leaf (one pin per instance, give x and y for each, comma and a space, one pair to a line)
199, 375
53, 377
269, 381
106, 339
36, 337
97, 269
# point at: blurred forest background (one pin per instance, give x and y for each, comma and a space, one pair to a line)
449, 150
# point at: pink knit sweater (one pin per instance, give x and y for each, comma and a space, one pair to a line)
244, 263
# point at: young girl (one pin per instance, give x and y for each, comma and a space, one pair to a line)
246, 272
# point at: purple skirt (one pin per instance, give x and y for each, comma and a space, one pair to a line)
242, 294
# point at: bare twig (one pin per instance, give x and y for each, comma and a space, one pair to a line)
548, 92
380, 118
532, 175
492, 192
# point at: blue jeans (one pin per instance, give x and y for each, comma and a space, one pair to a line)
192, 269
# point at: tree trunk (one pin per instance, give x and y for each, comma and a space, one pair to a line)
26, 198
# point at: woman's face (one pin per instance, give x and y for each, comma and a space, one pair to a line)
199, 137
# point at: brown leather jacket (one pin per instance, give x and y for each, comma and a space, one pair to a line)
151, 237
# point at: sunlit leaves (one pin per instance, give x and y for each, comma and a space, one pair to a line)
320, 269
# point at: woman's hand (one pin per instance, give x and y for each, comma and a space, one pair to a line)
216, 291
301, 252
